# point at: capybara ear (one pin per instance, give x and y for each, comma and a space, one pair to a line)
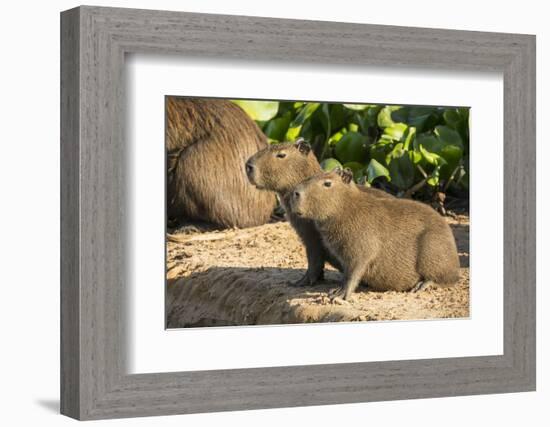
303, 146
346, 174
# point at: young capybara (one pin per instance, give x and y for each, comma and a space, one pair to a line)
280, 168
391, 244
207, 142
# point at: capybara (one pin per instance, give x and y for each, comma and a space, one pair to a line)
391, 244
207, 142
279, 168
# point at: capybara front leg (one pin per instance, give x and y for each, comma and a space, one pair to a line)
315, 269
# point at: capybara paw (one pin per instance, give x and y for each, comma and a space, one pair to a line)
338, 296
303, 281
308, 279
337, 293
348, 297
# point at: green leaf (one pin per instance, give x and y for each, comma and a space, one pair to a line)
338, 116
371, 115
433, 179
352, 147
330, 164
411, 132
293, 133
378, 152
385, 140
464, 112
286, 107
336, 137
402, 172
459, 120
400, 114
423, 118
429, 142
431, 158
452, 118
443, 149
415, 156
396, 151
307, 109
356, 107
396, 131
385, 116
305, 113
448, 136
353, 127
420, 117
324, 118
463, 178
259, 110
277, 128
376, 170
452, 155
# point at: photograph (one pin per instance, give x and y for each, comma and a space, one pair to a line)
307, 211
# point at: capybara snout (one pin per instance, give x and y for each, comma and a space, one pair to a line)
280, 167
295, 202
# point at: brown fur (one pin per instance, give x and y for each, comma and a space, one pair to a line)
391, 244
268, 171
207, 143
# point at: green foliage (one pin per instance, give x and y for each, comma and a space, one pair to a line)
330, 164
404, 148
259, 110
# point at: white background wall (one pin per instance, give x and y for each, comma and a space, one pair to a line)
29, 212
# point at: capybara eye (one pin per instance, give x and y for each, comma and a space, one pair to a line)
328, 183
281, 155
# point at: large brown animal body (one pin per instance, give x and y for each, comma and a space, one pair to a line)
280, 168
391, 244
207, 143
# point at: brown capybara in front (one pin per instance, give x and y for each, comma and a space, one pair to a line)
280, 168
391, 244
207, 142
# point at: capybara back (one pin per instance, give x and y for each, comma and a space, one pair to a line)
208, 143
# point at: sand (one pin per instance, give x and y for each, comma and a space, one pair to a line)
241, 277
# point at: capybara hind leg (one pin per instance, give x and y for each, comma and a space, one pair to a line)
438, 258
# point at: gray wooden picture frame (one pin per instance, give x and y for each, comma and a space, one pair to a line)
94, 382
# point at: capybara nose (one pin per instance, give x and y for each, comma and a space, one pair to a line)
249, 168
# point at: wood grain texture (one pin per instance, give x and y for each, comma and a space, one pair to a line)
70, 292
95, 238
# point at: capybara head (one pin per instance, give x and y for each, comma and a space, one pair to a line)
323, 195
280, 167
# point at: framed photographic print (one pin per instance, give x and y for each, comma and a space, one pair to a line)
262, 213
